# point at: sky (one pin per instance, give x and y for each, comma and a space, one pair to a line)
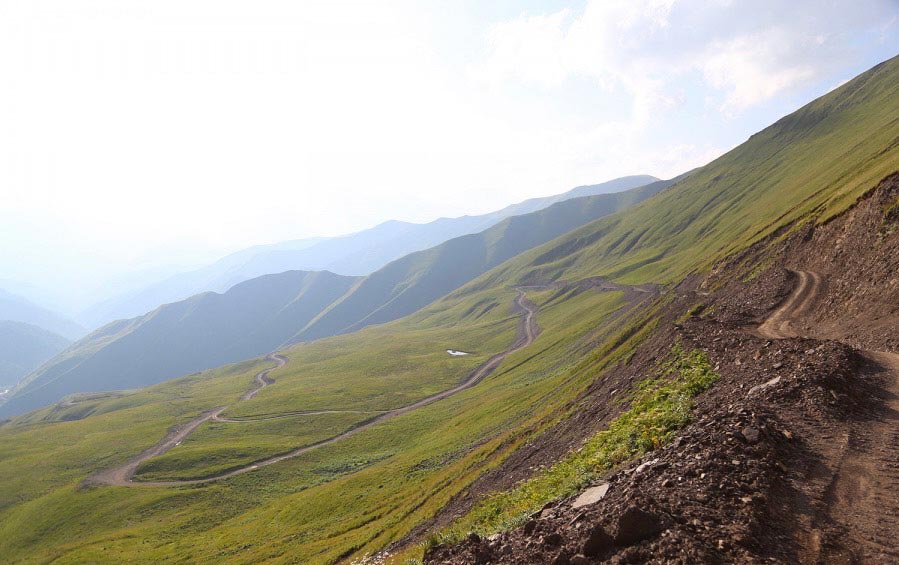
145, 135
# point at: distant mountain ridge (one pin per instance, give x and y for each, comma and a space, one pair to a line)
203, 331
409, 283
356, 254
262, 314
23, 347
18, 309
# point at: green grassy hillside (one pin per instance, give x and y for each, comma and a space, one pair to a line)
407, 284
204, 331
372, 487
23, 348
360, 494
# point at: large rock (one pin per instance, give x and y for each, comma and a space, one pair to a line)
591, 496
636, 525
598, 542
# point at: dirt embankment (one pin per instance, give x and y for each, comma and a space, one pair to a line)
792, 457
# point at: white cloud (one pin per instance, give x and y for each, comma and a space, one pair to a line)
748, 51
753, 68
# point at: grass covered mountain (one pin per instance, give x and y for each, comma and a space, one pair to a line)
261, 314
203, 331
19, 309
615, 372
360, 253
407, 284
23, 348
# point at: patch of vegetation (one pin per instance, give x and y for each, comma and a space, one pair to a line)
660, 406
695, 310
758, 269
890, 221
891, 212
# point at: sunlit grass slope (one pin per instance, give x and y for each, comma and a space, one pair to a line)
814, 162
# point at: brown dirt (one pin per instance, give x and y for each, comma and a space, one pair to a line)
792, 457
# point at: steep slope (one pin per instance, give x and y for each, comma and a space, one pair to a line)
812, 163
23, 347
355, 254
203, 331
789, 457
405, 285
18, 309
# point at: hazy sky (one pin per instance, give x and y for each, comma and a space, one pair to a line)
134, 133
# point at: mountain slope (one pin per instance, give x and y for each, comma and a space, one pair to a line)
811, 164
23, 348
357, 254
261, 314
203, 331
405, 285
744, 450
18, 309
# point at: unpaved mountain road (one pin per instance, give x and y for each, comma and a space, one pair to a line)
296, 414
863, 494
262, 378
779, 324
124, 474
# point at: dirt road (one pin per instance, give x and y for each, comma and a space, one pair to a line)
779, 324
124, 474
862, 495
262, 379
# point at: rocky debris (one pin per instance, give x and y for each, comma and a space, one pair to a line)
750, 434
773, 382
644, 465
552, 540
713, 494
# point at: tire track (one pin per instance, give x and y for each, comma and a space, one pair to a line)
861, 497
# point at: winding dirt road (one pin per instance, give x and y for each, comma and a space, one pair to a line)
779, 325
262, 379
862, 495
124, 474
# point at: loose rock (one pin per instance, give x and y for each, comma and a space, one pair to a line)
636, 525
